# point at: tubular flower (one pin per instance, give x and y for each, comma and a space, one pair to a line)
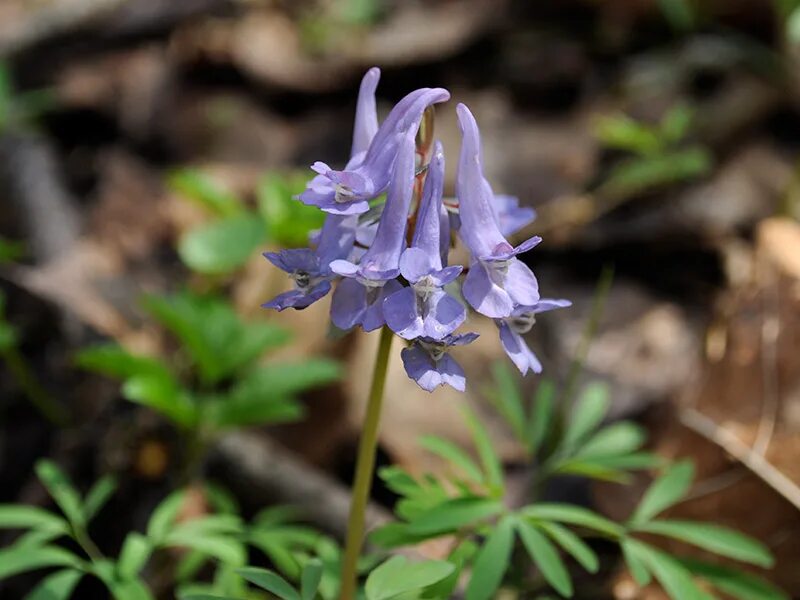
359, 300
389, 275
424, 308
367, 176
427, 362
519, 323
497, 281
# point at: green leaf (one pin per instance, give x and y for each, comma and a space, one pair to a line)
199, 187
270, 581
506, 396
546, 557
492, 561
224, 548
588, 414
136, 550
616, 439
674, 578
288, 221
222, 246
266, 394
310, 579
454, 514
98, 496
541, 416
720, 540
398, 576
676, 123
453, 454
483, 444
665, 491
735, 582
56, 586
192, 596
61, 490
20, 516
164, 395
639, 175
573, 515
679, 13
216, 339
636, 566
163, 517
623, 133
591, 470
572, 544
114, 361
16, 559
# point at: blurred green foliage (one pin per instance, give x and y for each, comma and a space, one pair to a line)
223, 384
659, 158
235, 231
20, 109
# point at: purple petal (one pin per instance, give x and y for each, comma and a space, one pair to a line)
451, 373
445, 314
373, 316
521, 284
336, 239
344, 268
366, 124
427, 234
401, 314
518, 351
446, 275
298, 299
428, 374
295, 259
510, 216
461, 339
416, 264
349, 304
444, 234
479, 228
546, 304
484, 295
384, 254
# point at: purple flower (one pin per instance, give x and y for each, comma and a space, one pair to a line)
424, 308
310, 269
497, 281
367, 176
427, 362
511, 217
359, 300
520, 322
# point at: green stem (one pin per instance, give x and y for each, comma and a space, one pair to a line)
365, 465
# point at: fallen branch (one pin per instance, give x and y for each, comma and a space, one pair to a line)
728, 441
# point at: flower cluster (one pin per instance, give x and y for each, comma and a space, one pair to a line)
391, 258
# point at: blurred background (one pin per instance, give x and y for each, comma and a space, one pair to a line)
149, 151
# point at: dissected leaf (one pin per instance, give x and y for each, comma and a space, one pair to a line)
56, 586
665, 491
673, 577
735, 582
720, 540
288, 221
617, 439
19, 559
310, 579
20, 516
270, 581
398, 576
163, 517
587, 414
574, 515
453, 454
541, 416
62, 491
483, 443
492, 561
135, 552
506, 396
98, 496
545, 556
572, 544
636, 565
454, 514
